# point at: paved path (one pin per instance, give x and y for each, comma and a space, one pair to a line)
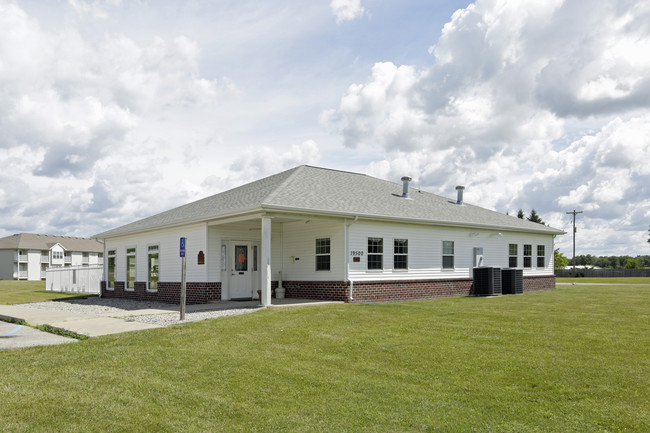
96, 324
14, 336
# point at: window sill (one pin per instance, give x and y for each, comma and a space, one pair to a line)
401, 271
374, 271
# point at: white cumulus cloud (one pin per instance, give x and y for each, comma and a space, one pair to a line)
346, 10
508, 108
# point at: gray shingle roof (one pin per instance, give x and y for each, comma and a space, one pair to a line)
324, 191
31, 241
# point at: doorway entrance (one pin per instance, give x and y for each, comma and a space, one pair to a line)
244, 279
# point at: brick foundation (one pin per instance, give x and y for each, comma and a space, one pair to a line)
408, 290
540, 282
322, 290
363, 291
170, 293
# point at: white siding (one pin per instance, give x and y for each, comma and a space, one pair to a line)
168, 242
7, 264
298, 254
34, 265
77, 258
425, 250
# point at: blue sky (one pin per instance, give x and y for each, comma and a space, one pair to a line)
111, 111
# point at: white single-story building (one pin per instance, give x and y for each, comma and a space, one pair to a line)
323, 234
26, 256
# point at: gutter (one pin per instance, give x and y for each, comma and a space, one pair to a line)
543, 229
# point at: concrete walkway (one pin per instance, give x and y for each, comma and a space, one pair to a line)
13, 336
112, 322
91, 325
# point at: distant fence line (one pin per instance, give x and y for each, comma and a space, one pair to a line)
602, 273
77, 279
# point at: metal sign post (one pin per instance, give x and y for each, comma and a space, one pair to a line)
184, 266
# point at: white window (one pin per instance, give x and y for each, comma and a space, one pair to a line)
447, 254
111, 269
541, 256
153, 267
400, 254
512, 253
323, 254
528, 256
130, 268
375, 253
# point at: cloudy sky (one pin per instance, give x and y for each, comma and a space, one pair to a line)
113, 110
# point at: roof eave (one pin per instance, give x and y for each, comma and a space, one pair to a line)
115, 233
370, 217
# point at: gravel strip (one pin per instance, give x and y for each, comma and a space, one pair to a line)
168, 319
118, 307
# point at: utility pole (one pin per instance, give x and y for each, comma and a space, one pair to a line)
574, 237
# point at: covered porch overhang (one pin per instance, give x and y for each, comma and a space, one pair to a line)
259, 226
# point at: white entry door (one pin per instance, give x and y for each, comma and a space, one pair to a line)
240, 270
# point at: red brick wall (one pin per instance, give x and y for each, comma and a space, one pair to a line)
363, 291
196, 293
386, 291
323, 290
537, 283
377, 291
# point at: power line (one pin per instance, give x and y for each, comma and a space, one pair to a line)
574, 213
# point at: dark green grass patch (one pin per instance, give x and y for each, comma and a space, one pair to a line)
621, 280
576, 359
20, 292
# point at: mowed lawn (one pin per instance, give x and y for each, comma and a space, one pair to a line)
576, 359
21, 291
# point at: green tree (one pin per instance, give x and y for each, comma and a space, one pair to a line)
649, 236
520, 214
632, 264
560, 260
534, 217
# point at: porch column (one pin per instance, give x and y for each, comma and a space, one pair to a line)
266, 261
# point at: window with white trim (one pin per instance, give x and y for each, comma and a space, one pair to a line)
541, 256
447, 254
111, 270
130, 268
375, 253
400, 254
528, 256
153, 267
512, 255
323, 251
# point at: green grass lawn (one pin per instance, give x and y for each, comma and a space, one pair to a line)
21, 291
626, 280
576, 359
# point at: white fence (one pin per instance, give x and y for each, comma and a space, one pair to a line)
78, 279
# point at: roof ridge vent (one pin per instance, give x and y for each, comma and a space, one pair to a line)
405, 186
459, 194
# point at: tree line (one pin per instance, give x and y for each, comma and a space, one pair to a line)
605, 262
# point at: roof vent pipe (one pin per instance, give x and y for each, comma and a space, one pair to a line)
459, 194
405, 187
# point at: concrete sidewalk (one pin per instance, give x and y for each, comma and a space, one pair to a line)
13, 336
92, 325
113, 322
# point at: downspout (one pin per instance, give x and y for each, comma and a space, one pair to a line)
347, 258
